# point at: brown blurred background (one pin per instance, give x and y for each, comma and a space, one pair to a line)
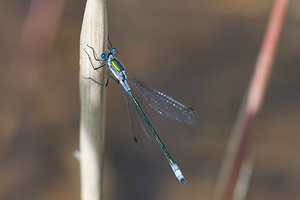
201, 53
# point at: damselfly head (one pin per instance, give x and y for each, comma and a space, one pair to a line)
105, 55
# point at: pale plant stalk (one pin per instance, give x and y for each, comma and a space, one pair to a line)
93, 100
237, 165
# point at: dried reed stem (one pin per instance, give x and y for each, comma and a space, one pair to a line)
93, 100
238, 150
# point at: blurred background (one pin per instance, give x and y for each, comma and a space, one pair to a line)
202, 53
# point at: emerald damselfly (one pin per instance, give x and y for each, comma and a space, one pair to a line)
158, 101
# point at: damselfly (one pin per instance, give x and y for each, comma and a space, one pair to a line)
158, 101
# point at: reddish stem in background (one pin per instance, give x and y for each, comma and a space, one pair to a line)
243, 126
37, 38
38, 35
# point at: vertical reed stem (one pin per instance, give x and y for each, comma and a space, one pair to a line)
93, 100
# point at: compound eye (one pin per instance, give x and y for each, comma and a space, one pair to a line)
114, 51
103, 56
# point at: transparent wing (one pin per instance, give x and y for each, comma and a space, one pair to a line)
142, 133
164, 104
